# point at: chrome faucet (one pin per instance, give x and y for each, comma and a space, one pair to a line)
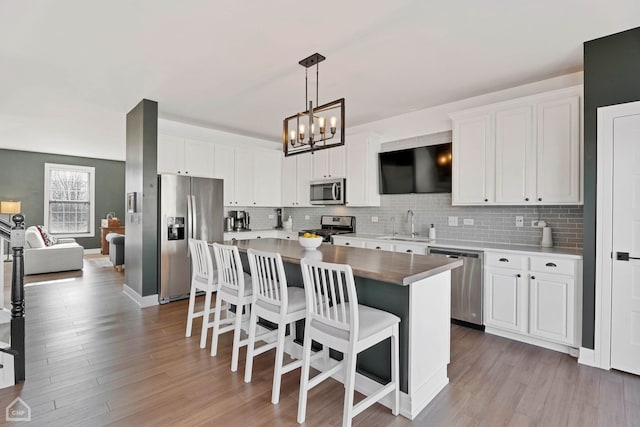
410, 217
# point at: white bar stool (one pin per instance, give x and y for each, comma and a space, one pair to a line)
234, 288
274, 301
346, 327
202, 279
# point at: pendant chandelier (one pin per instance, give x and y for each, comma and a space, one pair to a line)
315, 128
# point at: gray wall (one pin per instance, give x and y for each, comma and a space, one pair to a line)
22, 178
611, 76
141, 244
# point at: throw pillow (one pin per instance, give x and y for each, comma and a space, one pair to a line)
49, 240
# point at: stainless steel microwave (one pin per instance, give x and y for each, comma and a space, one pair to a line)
328, 191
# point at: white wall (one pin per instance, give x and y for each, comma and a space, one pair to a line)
436, 119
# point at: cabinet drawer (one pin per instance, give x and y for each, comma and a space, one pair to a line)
385, 246
553, 265
410, 249
496, 259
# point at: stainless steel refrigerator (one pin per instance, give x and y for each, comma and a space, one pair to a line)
189, 208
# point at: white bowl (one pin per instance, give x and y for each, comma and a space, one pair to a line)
309, 243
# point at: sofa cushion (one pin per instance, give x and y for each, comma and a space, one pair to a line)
49, 240
34, 238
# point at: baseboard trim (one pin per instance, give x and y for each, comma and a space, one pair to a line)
562, 348
588, 358
92, 251
143, 302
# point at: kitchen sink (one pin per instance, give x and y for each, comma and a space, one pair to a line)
406, 238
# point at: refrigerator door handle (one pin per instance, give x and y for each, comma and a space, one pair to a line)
189, 217
194, 208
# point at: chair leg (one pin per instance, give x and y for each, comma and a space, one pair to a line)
304, 378
236, 339
350, 379
216, 326
248, 367
277, 370
206, 312
192, 304
395, 368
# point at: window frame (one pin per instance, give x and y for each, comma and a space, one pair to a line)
48, 167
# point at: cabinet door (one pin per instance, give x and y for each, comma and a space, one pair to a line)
504, 300
289, 181
198, 158
303, 177
224, 168
558, 151
345, 241
361, 156
515, 156
473, 160
337, 162
244, 176
170, 154
267, 187
552, 308
320, 161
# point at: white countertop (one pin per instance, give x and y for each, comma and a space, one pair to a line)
478, 246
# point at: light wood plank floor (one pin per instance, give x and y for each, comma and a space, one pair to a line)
94, 358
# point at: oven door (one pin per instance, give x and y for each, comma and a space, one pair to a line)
327, 192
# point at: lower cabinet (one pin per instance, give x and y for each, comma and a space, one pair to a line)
534, 296
381, 245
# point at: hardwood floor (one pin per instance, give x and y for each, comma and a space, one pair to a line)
95, 358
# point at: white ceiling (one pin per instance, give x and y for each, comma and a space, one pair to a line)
70, 70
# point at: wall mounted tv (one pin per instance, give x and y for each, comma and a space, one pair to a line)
416, 170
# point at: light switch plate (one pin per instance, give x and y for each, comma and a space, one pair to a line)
270, 216
374, 219
453, 221
467, 221
306, 217
519, 221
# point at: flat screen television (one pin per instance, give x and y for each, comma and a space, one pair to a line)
416, 170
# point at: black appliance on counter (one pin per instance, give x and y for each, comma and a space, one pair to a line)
332, 225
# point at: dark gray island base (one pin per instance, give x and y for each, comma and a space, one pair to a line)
416, 288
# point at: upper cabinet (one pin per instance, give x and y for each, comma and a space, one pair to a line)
362, 170
296, 175
182, 156
524, 151
329, 163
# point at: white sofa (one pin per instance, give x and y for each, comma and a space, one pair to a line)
39, 258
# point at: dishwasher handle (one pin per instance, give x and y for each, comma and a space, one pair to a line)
454, 254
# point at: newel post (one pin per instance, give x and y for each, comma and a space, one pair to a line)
17, 296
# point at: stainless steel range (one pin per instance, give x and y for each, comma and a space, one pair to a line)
333, 224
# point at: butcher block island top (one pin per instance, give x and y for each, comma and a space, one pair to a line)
392, 267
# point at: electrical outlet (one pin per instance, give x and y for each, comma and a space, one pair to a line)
467, 221
374, 219
519, 221
307, 218
453, 221
534, 223
271, 216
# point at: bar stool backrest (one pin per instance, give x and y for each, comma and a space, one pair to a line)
201, 263
268, 278
230, 273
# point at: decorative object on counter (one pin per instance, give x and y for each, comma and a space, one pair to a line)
310, 241
547, 240
288, 224
279, 225
432, 232
296, 138
109, 222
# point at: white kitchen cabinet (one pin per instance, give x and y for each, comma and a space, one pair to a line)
252, 176
534, 296
376, 244
296, 175
329, 163
410, 248
473, 160
348, 241
525, 151
381, 244
362, 170
181, 156
505, 299
558, 151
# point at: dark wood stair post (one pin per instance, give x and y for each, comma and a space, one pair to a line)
17, 297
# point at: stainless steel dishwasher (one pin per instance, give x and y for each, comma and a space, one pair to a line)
466, 286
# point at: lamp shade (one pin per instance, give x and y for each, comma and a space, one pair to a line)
10, 207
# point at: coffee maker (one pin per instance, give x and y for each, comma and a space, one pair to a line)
240, 220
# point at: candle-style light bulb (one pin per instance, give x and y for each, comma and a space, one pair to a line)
321, 122
292, 137
301, 132
333, 121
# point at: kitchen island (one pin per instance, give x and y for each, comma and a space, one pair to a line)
416, 288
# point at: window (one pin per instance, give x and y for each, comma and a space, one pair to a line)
69, 197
